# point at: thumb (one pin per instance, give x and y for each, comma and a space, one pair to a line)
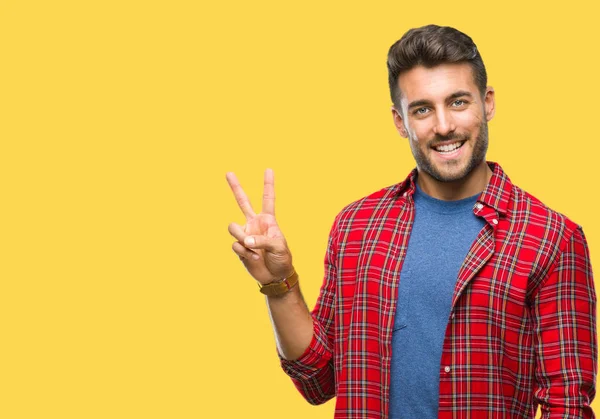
272, 245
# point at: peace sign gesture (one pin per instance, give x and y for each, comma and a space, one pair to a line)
260, 243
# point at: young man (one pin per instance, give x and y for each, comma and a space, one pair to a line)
453, 294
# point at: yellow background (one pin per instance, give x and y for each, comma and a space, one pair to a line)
119, 294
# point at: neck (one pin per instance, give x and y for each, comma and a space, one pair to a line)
472, 184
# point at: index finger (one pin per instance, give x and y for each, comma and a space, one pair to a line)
268, 206
240, 195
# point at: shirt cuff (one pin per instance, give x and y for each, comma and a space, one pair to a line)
314, 358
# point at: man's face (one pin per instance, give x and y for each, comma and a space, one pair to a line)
445, 119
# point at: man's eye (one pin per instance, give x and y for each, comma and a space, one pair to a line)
458, 102
421, 111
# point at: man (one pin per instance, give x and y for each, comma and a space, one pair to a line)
454, 294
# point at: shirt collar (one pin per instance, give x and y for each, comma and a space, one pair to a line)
495, 195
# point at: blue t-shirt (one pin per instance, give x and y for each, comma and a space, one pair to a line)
441, 236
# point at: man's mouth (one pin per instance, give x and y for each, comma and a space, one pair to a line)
448, 148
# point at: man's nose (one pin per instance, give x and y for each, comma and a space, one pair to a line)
444, 123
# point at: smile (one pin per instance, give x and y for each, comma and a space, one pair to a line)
449, 148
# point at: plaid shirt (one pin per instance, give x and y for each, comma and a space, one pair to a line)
521, 331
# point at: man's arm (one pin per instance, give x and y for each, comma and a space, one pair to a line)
303, 343
292, 323
564, 312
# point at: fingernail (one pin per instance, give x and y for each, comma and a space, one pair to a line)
249, 241
255, 256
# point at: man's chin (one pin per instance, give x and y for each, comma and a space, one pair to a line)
452, 174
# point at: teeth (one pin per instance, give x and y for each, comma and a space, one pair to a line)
448, 148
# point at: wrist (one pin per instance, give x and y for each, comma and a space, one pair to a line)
281, 286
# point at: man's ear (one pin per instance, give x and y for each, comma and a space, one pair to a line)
399, 123
489, 101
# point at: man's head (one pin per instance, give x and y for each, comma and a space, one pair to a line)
441, 101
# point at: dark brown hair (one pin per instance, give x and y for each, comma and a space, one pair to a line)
429, 46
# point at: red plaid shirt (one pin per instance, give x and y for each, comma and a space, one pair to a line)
521, 331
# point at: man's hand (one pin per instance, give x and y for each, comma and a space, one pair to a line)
260, 243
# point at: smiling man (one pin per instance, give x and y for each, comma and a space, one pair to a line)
453, 294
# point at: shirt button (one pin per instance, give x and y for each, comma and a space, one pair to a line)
479, 206
405, 194
447, 369
495, 221
452, 316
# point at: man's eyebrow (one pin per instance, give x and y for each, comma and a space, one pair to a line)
417, 103
458, 94
424, 102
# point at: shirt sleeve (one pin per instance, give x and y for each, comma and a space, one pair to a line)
564, 314
313, 373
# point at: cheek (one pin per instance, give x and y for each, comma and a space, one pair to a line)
418, 131
468, 120
413, 137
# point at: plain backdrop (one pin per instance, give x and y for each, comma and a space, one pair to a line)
120, 296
